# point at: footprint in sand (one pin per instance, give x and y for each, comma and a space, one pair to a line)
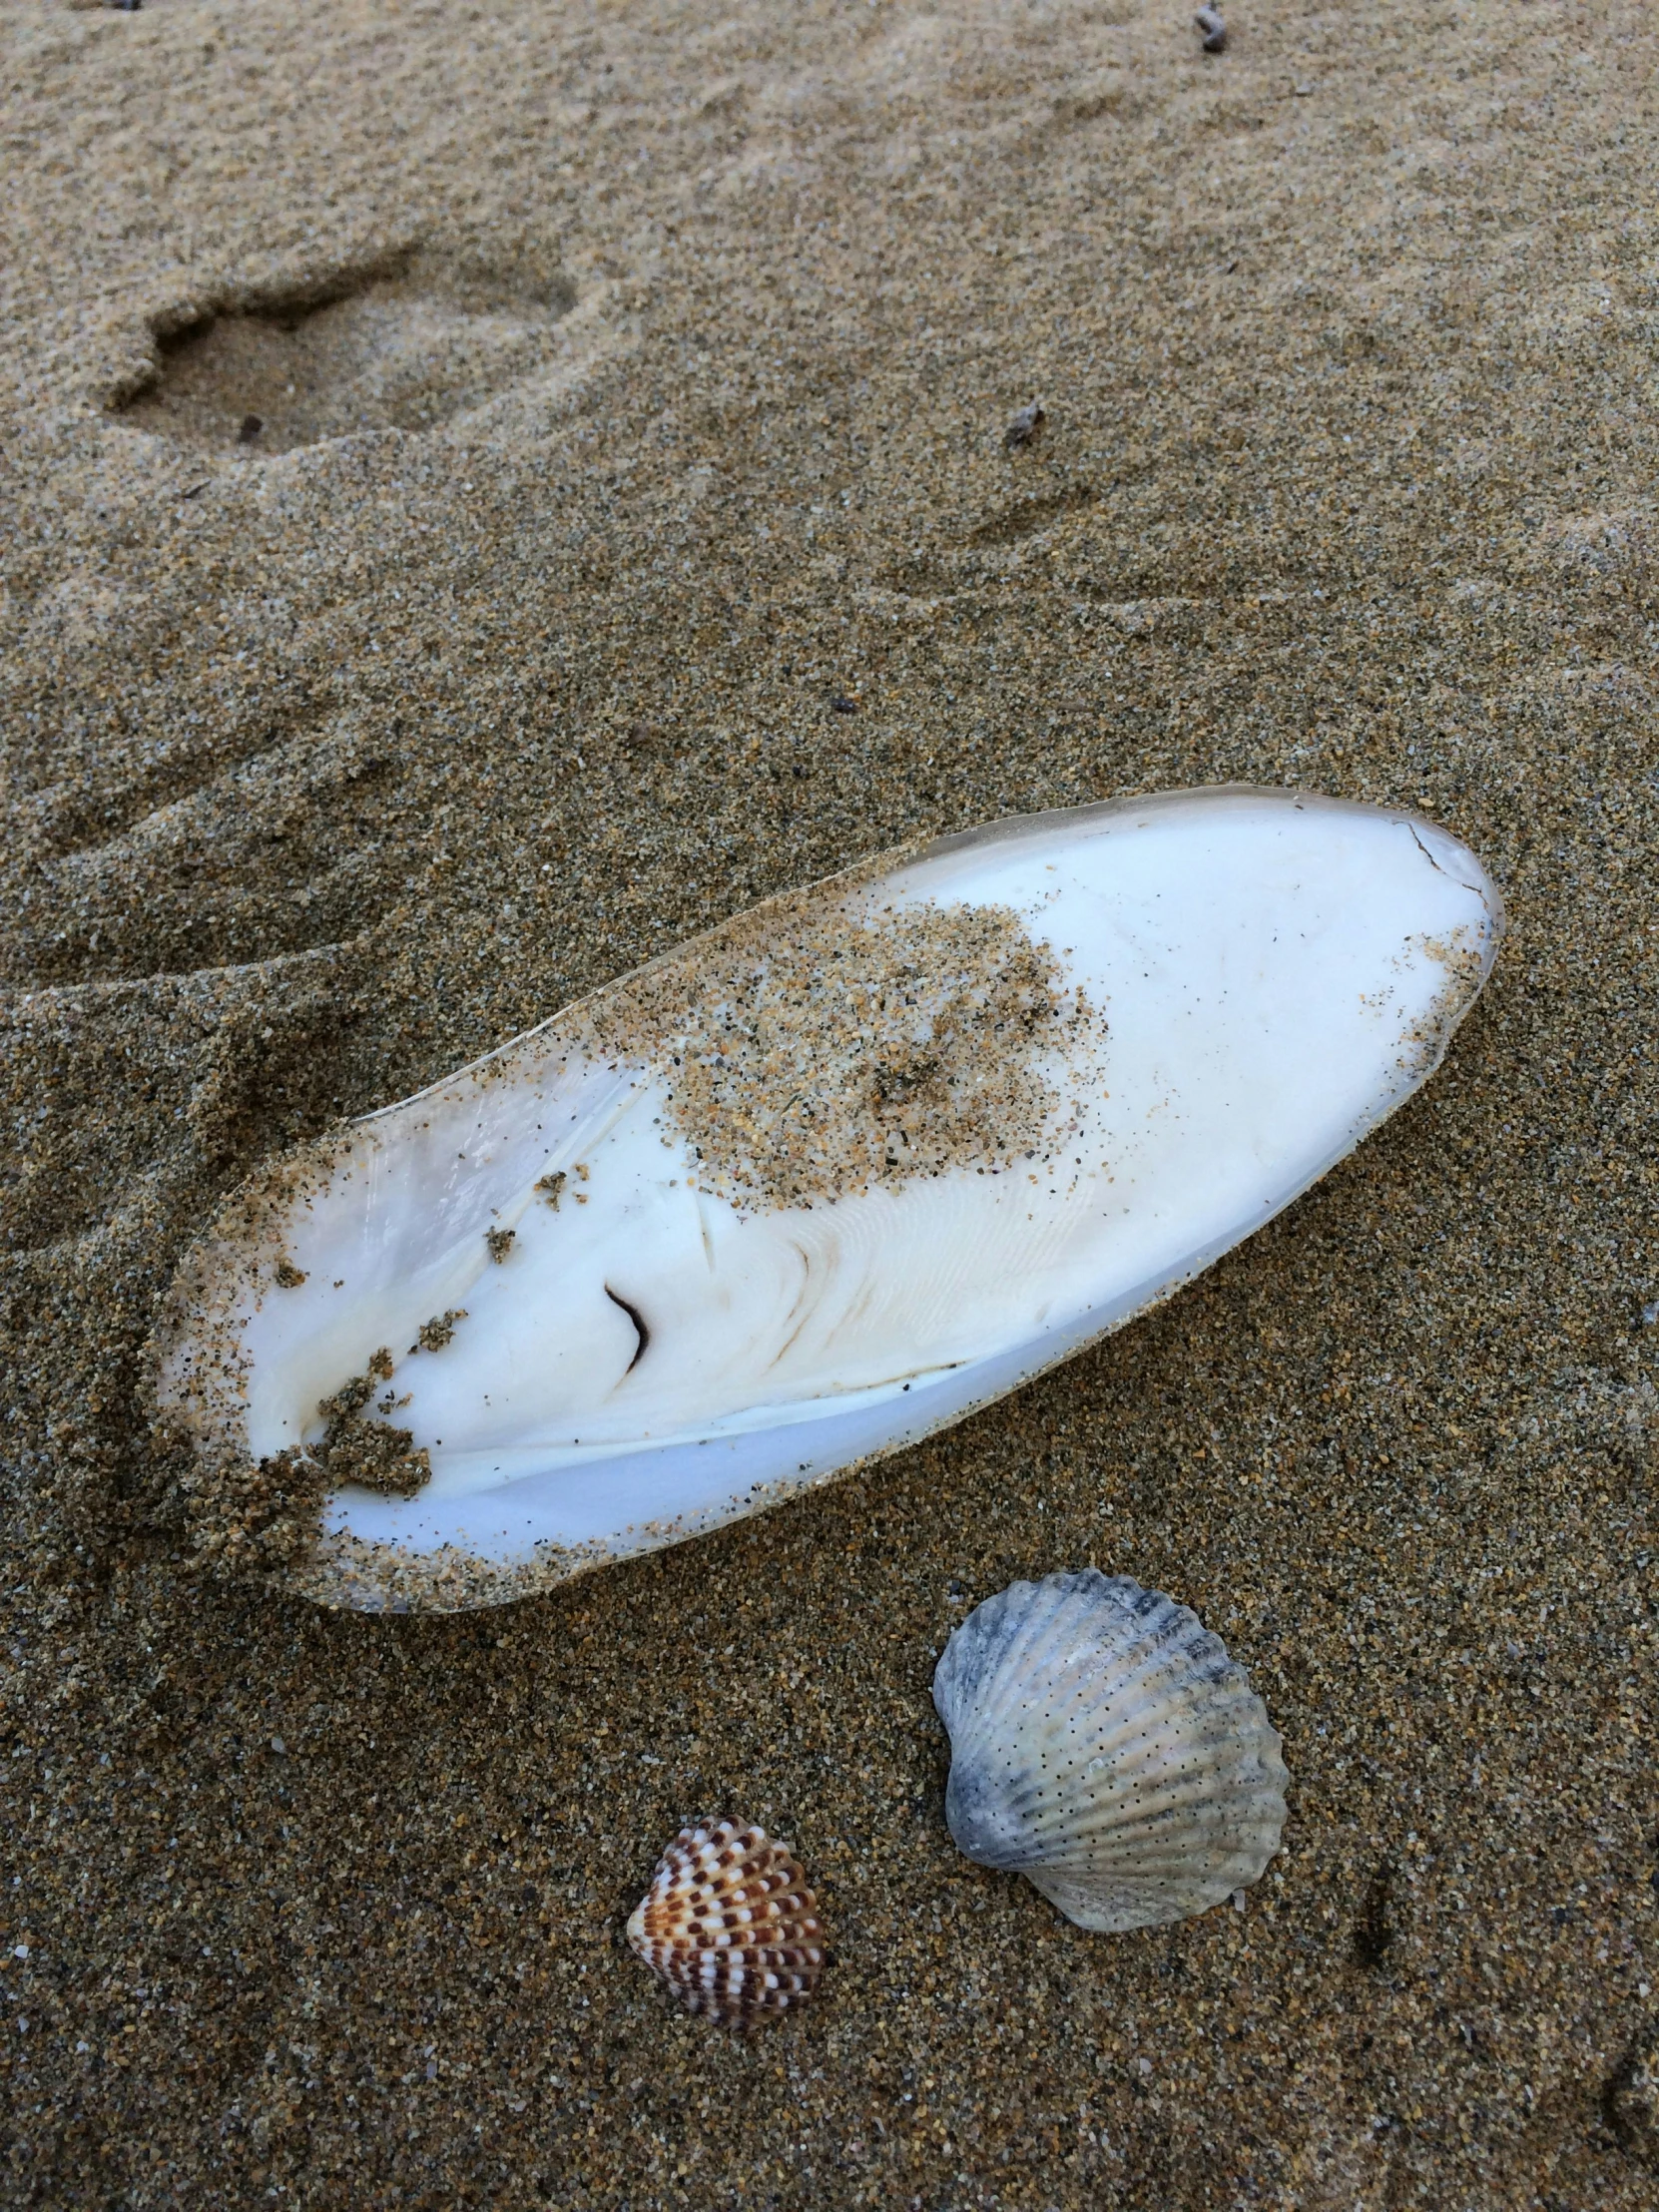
405, 348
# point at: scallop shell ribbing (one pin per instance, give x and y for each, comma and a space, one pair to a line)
730, 1924
1104, 1745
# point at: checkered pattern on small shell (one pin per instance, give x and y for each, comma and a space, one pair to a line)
730, 1924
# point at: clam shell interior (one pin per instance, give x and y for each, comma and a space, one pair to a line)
634, 1276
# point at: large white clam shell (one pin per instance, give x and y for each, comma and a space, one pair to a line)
666, 1262
1104, 1745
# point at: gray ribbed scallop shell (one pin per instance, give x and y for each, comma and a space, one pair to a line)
1104, 1745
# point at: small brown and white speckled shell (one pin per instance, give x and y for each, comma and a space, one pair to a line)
730, 1924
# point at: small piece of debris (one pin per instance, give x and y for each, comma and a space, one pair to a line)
436, 1333
349, 1399
1630, 2102
288, 1276
552, 1184
841, 704
1373, 1930
252, 425
1025, 428
1650, 1315
500, 1242
1211, 29
359, 1450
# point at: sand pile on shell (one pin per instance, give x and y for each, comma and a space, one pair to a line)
805, 1061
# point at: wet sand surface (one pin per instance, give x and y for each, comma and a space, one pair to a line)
490, 492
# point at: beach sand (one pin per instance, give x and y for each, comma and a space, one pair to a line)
488, 492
